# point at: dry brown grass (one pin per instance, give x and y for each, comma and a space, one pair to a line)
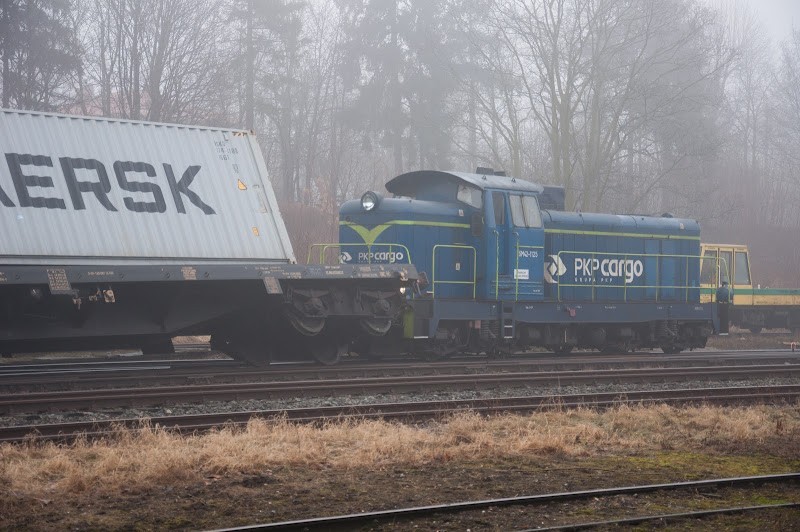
136, 461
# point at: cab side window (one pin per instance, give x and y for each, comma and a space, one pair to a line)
725, 266
517, 211
470, 195
708, 270
499, 208
742, 272
533, 217
525, 211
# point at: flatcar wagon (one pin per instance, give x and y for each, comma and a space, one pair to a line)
752, 307
119, 233
498, 273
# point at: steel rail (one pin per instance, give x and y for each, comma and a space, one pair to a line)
173, 372
410, 411
668, 517
352, 520
88, 367
44, 401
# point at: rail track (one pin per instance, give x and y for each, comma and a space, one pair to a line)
25, 378
408, 411
407, 515
198, 393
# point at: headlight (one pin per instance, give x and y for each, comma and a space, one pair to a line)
370, 200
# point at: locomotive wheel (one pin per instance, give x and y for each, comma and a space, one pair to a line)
563, 349
755, 330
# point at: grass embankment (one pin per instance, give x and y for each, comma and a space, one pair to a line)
137, 461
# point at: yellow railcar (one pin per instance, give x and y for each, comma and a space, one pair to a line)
753, 308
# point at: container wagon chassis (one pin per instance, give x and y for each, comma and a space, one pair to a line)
252, 311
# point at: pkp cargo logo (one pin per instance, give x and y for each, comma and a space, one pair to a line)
381, 256
594, 270
554, 267
373, 256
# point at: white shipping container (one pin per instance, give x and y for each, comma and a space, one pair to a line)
84, 190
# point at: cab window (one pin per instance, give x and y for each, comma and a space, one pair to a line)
742, 271
499, 208
470, 195
533, 218
517, 212
525, 211
708, 273
725, 266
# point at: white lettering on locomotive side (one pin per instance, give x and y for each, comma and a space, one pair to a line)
630, 269
381, 256
528, 254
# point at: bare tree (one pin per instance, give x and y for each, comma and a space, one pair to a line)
153, 59
601, 78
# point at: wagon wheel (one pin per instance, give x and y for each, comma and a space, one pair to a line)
157, 346
328, 354
616, 348
363, 346
251, 350
563, 349
671, 349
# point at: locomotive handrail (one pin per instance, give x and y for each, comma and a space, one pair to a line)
625, 286
474, 267
325, 247
496, 264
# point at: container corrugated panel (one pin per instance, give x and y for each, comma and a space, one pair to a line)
76, 190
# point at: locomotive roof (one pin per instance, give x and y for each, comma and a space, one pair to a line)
407, 184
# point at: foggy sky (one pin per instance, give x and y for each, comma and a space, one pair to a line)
777, 16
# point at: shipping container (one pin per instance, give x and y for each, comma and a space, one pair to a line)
84, 189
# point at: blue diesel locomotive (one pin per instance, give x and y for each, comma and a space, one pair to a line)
498, 273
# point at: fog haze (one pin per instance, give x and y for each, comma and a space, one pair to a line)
778, 16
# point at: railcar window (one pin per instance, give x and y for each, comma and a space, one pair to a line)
709, 268
499, 208
742, 270
517, 213
533, 218
470, 195
525, 211
725, 265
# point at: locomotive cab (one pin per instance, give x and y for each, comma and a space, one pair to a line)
475, 236
514, 244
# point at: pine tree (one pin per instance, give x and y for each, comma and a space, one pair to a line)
40, 53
